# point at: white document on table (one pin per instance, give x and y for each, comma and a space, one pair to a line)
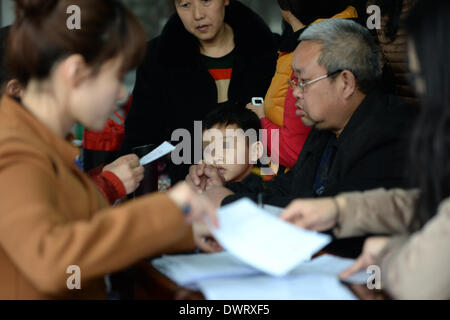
161, 151
263, 241
188, 269
263, 287
331, 265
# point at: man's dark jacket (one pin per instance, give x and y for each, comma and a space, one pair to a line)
173, 88
372, 152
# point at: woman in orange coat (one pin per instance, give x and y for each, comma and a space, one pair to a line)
53, 219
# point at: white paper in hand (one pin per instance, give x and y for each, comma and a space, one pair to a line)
159, 152
264, 241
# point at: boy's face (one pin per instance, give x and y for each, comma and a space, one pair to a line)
227, 149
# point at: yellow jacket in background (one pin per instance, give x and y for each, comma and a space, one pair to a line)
276, 95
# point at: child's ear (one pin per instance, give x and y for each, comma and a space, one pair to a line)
256, 151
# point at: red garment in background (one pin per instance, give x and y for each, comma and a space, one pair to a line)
293, 134
109, 139
108, 183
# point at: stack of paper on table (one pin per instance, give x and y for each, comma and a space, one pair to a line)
187, 270
266, 258
221, 276
300, 287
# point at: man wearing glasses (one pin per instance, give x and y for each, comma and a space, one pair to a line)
358, 141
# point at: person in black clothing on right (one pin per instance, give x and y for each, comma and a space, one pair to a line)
358, 141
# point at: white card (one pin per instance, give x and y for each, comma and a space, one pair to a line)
161, 151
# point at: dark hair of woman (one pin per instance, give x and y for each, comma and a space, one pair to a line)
172, 4
40, 36
391, 9
309, 11
4, 74
428, 26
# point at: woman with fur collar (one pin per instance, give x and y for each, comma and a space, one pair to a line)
209, 52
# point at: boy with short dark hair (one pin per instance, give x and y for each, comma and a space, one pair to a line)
231, 142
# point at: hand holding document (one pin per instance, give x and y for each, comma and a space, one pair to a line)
263, 241
161, 151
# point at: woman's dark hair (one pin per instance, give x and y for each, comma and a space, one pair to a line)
40, 36
171, 5
4, 74
308, 11
428, 25
392, 9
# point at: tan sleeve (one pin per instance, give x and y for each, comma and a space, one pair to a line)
43, 244
417, 267
375, 212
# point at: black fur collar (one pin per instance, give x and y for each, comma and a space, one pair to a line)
252, 36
